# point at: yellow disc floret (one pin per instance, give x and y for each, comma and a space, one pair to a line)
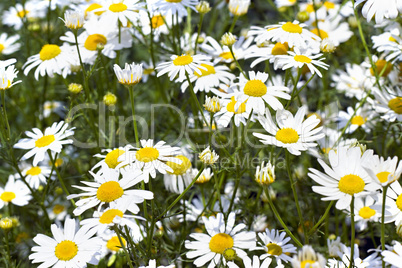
147, 154
183, 60
157, 21
109, 191
209, 70
255, 88
280, 49
1, 48
179, 169
395, 105
366, 212
292, 28
358, 120
287, 135
351, 184
49, 52
118, 7
109, 215
302, 58
44, 141
57, 209
274, 249
7, 196
321, 33
232, 104
92, 7
66, 250
93, 40
111, 158
399, 202
33, 171
304, 263
226, 55
220, 242
383, 176
383, 67
113, 243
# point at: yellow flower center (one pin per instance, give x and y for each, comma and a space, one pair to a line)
351, 184
66, 250
183, 60
174, 1
303, 264
274, 249
109, 191
58, 162
44, 141
113, 243
57, 209
147, 154
383, 176
111, 158
323, 34
22, 13
34, 171
255, 88
93, 7
49, 52
209, 70
226, 55
292, 28
302, 58
329, 5
1, 48
231, 106
399, 202
7, 196
310, 8
180, 169
392, 39
119, 7
366, 212
287, 135
358, 120
157, 21
93, 40
220, 242
396, 105
280, 49
383, 67
109, 215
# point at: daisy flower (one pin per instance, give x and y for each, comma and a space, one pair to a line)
15, 192
292, 33
39, 143
383, 172
239, 7
388, 102
365, 212
372, 261
111, 158
290, 132
36, 175
122, 11
114, 215
390, 43
67, 248
380, 9
257, 93
298, 59
151, 157
345, 176
394, 256
265, 53
212, 76
50, 60
130, 75
109, 189
159, 24
15, 16
205, 176
222, 53
56, 107
255, 263
181, 176
275, 245
362, 118
219, 239
178, 7
285, 3
232, 109
8, 45
333, 29
7, 75
307, 257
182, 65
58, 211
393, 204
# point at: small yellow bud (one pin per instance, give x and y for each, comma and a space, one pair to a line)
203, 7
228, 39
110, 99
74, 88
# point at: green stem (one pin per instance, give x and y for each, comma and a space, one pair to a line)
3, 107
235, 18
352, 225
294, 91
198, 33
131, 90
117, 231
323, 217
151, 230
284, 226
237, 63
384, 195
84, 74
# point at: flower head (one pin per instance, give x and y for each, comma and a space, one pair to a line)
73, 19
208, 157
130, 75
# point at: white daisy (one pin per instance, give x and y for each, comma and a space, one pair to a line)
365, 212
108, 188
285, 3
181, 176
393, 204
390, 43
39, 143
299, 59
333, 29
307, 257
36, 175
8, 45
362, 118
292, 132
220, 238
178, 7
212, 76
130, 75
394, 256
149, 158
275, 245
239, 7
252, 264
111, 158
222, 53
180, 65
50, 60
15, 192
380, 9
232, 109
265, 53
67, 248
388, 102
160, 23
56, 107
122, 11
383, 172
344, 178
15, 16
58, 211
7, 75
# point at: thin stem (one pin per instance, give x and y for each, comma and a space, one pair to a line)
384, 195
237, 63
294, 88
198, 33
235, 18
131, 90
84, 74
117, 231
151, 230
3, 107
323, 217
352, 225
284, 226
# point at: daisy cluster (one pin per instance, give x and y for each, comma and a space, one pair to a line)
187, 133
